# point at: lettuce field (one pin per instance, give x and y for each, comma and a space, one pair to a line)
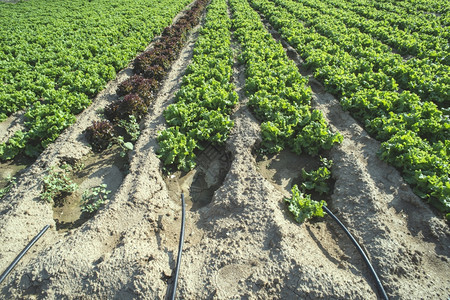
109, 110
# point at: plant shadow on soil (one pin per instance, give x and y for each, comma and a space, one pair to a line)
14, 168
284, 170
107, 167
199, 184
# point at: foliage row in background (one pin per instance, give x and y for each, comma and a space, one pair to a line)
206, 98
279, 97
403, 101
56, 56
277, 92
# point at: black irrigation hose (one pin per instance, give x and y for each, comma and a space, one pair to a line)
180, 247
366, 259
21, 254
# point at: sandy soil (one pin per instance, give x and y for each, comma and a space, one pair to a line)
241, 242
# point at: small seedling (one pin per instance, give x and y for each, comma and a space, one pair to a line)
57, 183
10, 182
124, 146
93, 198
77, 167
131, 126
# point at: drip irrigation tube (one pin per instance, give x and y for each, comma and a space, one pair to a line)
360, 250
21, 254
180, 248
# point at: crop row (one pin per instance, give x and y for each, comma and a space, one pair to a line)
427, 10
429, 80
406, 14
54, 57
277, 91
423, 35
137, 92
200, 114
426, 7
415, 133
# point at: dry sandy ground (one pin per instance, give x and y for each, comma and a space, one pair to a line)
241, 242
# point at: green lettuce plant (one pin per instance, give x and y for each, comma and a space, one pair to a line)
303, 207
94, 198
